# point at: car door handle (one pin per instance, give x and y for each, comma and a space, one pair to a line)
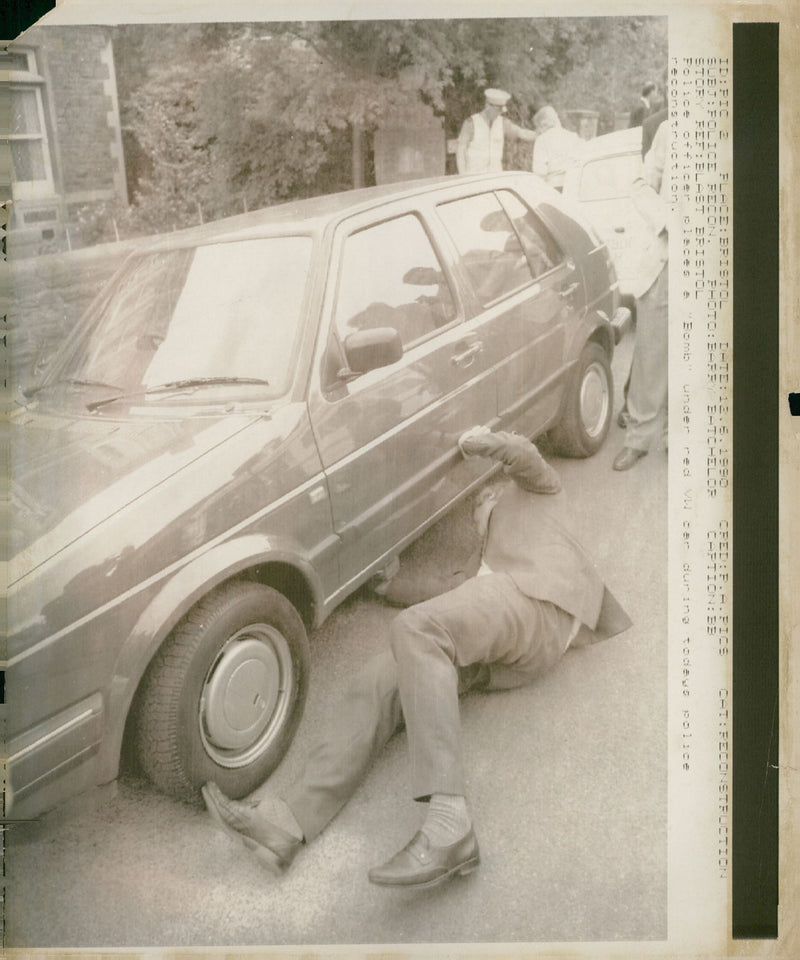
619, 229
467, 357
568, 291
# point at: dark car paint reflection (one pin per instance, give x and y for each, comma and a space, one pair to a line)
201, 428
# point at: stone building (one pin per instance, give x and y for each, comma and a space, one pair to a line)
61, 153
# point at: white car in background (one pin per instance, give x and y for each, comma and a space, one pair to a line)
600, 184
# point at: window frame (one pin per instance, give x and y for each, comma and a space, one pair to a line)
609, 159
27, 80
541, 228
496, 191
440, 259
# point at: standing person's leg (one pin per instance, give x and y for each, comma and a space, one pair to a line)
649, 376
622, 416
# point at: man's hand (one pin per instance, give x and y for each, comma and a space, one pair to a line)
520, 457
470, 444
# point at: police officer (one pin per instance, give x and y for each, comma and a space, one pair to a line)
480, 143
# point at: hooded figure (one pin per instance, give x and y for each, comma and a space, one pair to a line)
555, 148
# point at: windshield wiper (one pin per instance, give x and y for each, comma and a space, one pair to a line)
72, 381
203, 381
177, 385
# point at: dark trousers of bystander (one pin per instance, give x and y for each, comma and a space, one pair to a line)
649, 376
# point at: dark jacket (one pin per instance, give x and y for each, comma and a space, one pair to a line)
529, 539
638, 113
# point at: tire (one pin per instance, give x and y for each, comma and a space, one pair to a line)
223, 696
587, 405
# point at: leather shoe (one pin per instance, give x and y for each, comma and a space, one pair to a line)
627, 457
274, 848
422, 864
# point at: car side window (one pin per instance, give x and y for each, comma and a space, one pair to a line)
489, 246
540, 248
391, 277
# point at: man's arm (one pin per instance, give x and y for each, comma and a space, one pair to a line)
513, 132
655, 159
464, 140
521, 460
646, 192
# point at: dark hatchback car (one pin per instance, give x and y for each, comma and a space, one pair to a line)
254, 418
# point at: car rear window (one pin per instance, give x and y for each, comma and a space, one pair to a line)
490, 248
540, 248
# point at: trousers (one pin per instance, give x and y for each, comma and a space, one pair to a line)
649, 376
485, 634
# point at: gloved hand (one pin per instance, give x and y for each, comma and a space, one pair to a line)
469, 443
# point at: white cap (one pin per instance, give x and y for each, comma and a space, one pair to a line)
497, 98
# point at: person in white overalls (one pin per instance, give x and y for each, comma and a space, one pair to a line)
482, 137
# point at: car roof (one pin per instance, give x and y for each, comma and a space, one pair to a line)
620, 141
311, 215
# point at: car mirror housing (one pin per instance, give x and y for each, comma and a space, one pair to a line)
367, 350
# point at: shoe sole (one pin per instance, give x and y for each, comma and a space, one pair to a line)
266, 857
628, 465
461, 870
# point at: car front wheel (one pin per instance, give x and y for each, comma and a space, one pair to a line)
587, 406
223, 696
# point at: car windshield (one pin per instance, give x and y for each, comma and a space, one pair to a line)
222, 313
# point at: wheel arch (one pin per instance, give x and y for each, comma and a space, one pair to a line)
569, 434
596, 329
255, 559
603, 334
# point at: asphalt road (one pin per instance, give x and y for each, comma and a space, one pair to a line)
567, 787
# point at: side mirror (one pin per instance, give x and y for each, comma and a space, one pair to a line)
367, 350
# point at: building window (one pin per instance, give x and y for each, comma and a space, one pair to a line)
24, 150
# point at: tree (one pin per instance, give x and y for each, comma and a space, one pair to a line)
629, 53
233, 116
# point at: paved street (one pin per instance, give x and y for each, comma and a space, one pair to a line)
567, 786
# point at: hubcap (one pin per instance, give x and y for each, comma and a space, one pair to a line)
594, 400
246, 695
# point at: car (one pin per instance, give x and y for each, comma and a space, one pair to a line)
251, 421
600, 184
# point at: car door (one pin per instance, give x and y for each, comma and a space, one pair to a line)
525, 290
604, 192
387, 438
